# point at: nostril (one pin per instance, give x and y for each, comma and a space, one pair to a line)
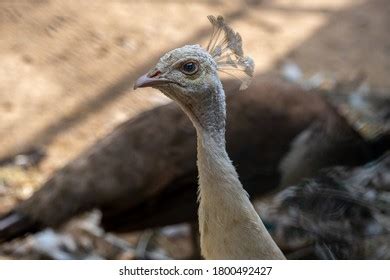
156, 74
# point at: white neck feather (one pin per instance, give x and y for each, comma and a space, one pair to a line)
230, 228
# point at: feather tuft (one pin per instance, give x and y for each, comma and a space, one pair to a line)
225, 46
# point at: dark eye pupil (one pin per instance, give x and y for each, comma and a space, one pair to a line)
189, 67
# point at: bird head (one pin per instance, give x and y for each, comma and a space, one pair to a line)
182, 72
189, 75
192, 70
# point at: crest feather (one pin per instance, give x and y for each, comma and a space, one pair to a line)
225, 46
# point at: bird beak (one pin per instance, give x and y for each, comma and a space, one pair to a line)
146, 81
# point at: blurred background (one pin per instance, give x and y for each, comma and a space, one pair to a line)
67, 69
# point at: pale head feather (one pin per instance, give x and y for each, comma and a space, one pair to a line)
225, 46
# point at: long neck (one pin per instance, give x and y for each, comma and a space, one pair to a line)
230, 228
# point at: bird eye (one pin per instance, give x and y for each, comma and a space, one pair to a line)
189, 68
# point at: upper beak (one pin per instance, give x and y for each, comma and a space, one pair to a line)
145, 81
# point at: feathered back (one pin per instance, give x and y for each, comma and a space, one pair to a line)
225, 46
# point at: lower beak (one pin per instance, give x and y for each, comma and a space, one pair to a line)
145, 81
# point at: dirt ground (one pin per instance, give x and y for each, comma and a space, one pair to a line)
67, 67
